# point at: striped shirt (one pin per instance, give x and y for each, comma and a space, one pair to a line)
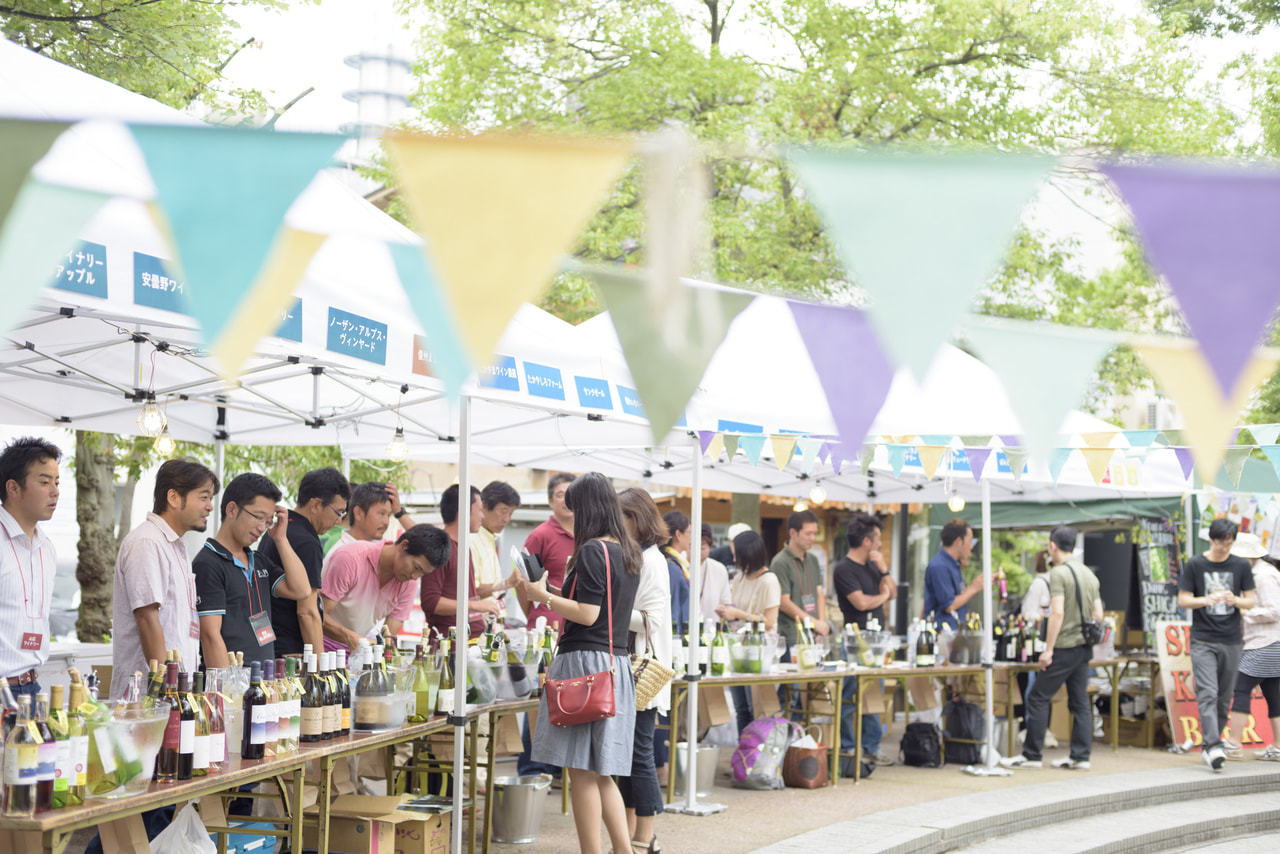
26, 588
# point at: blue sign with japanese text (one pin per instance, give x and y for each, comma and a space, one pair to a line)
356, 336
543, 381
629, 400
83, 270
291, 323
738, 427
593, 393
501, 374
154, 286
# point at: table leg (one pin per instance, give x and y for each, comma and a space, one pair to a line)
1011, 731
837, 689
299, 789
495, 721
1115, 707
857, 730
673, 719
1153, 671
322, 804
473, 744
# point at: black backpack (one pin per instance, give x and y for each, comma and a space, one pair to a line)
963, 721
921, 746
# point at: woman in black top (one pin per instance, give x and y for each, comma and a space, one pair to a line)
603, 573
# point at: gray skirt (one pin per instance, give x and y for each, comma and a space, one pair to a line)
600, 746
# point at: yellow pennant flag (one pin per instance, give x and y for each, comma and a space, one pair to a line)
784, 448
499, 211
1182, 372
262, 310
930, 457
716, 446
1098, 459
1099, 440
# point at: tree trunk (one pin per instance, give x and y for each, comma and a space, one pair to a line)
126, 507
95, 513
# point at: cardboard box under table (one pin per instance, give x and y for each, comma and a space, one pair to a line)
365, 824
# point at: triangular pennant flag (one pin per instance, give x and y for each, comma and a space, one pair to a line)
935, 439
1209, 230
1017, 458
1141, 438
23, 143
730, 445
784, 448
1185, 460
499, 211
975, 441
1273, 454
1233, 462
716, 446
1098, 460
866, 454
752, 445
224, 193
449, 359
259, 313
897, 456
836, 338
824, 452
665, 378
1057, 460
704, 439
1102, 439
1264, 434
1182, 372
42, 228
1023, 354
977, 460
930, 457
808, 453
952, 214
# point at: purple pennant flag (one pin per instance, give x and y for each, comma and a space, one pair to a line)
851, 366
704, 439
837, 461
824, 452
977, 461
1185, 460
1211, 232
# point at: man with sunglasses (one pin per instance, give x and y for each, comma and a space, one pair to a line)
322, 503
234, 586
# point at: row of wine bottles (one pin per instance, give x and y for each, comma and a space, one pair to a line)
46, 760
713, 646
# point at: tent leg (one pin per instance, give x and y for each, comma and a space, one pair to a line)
459, 717
990, 768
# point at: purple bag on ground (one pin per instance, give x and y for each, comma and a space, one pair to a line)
757, 761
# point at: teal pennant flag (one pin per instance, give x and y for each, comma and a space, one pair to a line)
1057, 460
920, 233
752, 445
224, 193
448, 357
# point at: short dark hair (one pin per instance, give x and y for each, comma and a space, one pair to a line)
677, 523
749, 552
799, 519
20, 455
427, 541
861, 526
245, 487
1219, 529
365, 495
558, 478
499, 492
1064, 537
449, 503
184, 476
707, 536
326, 484
637, 505
952, 531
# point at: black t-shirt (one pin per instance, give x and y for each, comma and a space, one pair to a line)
849, 576
586, 583
223, 589
284, 612
1218, 623
724, 554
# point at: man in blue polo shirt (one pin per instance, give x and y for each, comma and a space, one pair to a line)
945, 595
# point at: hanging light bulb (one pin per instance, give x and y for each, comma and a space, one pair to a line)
164, 443
818, 494
151, 420
956, 502
398, 448
800, 506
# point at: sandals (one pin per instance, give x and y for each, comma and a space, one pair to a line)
642, 848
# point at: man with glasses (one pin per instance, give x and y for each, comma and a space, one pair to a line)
235, 586
322, 503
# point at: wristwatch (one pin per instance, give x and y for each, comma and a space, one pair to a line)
401, 512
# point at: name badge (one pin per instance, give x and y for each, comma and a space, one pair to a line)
810, 604
261, 625
195, 630
32, 641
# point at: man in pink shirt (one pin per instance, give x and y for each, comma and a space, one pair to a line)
370, 585
552, 541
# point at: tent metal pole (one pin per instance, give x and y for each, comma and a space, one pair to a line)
220, 436
459, 717
987, 643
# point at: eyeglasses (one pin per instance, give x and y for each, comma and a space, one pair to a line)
262, 520
339, 513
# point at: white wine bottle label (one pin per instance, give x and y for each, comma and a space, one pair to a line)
218, 747
21, 764
107, 756
200, 755
80, 759
66, 771
719, 655
446, 701
187, 737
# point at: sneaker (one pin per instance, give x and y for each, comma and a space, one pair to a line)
880, 758
1021, 762
1214, 758
1271, 754
1071, 764
1232, 750
1050, 740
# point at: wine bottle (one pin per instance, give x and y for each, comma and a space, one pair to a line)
21, 763
720, 652
704, 647
203, 732
421, 710
273, 706
212, 699
10, 710
678, 651
312, 710
332, 700
291, 721
344, 693
283, 698
47, 767
63, 772
155, 684
167, 758
444, 698
78, 735
253, 742
925, 645
187, 729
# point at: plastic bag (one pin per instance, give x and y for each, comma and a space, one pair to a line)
186, 835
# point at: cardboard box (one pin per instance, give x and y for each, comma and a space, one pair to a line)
713, 709
973, 689
922, 693
364, 824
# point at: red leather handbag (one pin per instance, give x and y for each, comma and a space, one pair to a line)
585, 699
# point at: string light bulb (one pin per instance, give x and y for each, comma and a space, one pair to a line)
956, 502
800, 507
165, 445
398, 448
151, 420
818, 494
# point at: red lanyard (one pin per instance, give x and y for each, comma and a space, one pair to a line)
26, 596
802, 567
188, 576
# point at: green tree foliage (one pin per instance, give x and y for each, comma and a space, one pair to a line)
1216, 17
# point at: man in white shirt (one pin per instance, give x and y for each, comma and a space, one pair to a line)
154, 595
29, 480
498, 501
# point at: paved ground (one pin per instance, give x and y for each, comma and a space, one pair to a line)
1258, 843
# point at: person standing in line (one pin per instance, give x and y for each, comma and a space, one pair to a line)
724, 553
154, 591
715, 579
498, 501
1065, 658
800, 579
756, 597
946, 596
1215, 586
235, 584
601, 582
439, 590
372, 507
676, 551
323, 495
864, 586
28, 562
1260, 660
